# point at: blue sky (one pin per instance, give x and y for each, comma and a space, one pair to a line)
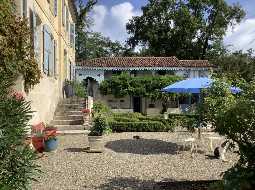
110, 18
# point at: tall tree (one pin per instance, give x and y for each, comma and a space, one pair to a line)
82, 25
236, 65
183, 28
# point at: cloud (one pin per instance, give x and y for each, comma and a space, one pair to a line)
242, 37
112, 21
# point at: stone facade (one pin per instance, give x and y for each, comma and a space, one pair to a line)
52, 23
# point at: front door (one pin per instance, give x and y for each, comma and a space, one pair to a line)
137, 104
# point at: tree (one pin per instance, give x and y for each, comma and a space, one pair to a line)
236, 65
233, 116
17, 160
82, 25
97, 46
183, 28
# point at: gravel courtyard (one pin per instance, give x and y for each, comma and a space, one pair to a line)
126, 163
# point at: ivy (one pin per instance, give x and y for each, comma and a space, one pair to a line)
16, 50
146, 86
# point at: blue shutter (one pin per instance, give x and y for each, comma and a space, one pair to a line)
55, 7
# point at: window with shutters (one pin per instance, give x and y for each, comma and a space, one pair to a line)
49, 58
72, 35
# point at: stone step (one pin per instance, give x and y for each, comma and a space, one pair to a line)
59, 109
71, 101
69, 127
67, 122
73, 132
67, 113
68, 117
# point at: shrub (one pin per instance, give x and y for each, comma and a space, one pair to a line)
140, 126
99, 126
17, 164
100, 108
79, 90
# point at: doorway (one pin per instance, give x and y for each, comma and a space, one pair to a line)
137, 104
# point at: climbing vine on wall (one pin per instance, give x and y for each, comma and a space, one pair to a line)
16, 50
146, 86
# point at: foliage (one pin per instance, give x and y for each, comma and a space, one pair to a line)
16, 50
17, 164
139, 126
91, 45
186, 29
95, 45
100, 125
233, 116
100, 108
79, 90
236, 65
147, 86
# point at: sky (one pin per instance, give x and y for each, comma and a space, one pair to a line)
110, 18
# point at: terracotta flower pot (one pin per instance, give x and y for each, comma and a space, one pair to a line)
38, 143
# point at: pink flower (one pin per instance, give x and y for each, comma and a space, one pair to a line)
18, 96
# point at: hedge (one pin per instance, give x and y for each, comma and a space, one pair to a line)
140, 126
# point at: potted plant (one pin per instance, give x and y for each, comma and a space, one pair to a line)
38, 141
68, 89
50, 139
96, 133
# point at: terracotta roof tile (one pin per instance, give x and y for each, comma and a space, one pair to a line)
142, 62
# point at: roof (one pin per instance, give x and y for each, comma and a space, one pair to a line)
74, 9
129, 62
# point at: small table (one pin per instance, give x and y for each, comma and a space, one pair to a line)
211, 141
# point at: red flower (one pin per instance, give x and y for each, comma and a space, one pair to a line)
18, 96
85, 110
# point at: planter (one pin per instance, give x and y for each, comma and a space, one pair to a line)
51, 144
69, 92
95, 144
165, 115
38, 143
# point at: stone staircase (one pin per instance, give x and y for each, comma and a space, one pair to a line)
68, 117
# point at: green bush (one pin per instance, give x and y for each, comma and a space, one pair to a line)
79, 90
140, 126
100, 107
99, 127
128, 115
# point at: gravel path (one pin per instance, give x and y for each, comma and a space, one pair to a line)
126, 163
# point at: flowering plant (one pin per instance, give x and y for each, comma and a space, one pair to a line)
50, 133
18, 96
85, 110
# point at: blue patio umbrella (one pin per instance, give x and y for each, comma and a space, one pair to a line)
193, 86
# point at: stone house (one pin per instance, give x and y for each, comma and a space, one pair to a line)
52, 23
96, 70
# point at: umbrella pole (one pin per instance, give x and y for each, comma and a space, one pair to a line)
199, 117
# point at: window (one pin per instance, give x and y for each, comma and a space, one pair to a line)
65, 62
67, 20
49, 58
55, 7
24, 8
35, 23
63, 12
72, 35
